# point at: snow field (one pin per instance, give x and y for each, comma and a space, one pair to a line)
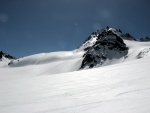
123, 88
50, 83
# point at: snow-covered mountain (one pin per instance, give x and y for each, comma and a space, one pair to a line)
5, 59
146, 39
104, 47
59, 82
4, 55
110, 46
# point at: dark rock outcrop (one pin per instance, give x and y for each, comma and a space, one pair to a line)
103, 45
146, 39
2, 54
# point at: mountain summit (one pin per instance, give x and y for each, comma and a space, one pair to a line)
104, 45
2, 54
102, 34
107, 46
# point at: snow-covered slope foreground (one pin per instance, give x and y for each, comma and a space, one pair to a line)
119, 88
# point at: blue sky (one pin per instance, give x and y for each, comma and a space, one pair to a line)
35, 26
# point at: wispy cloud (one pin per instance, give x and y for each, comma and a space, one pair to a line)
97, 26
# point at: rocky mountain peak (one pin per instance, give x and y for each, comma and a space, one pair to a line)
102, 46
2, 54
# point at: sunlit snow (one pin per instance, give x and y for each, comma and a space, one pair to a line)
51, 83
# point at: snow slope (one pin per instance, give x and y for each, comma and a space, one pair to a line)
44, 63
119, 88
137, 49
